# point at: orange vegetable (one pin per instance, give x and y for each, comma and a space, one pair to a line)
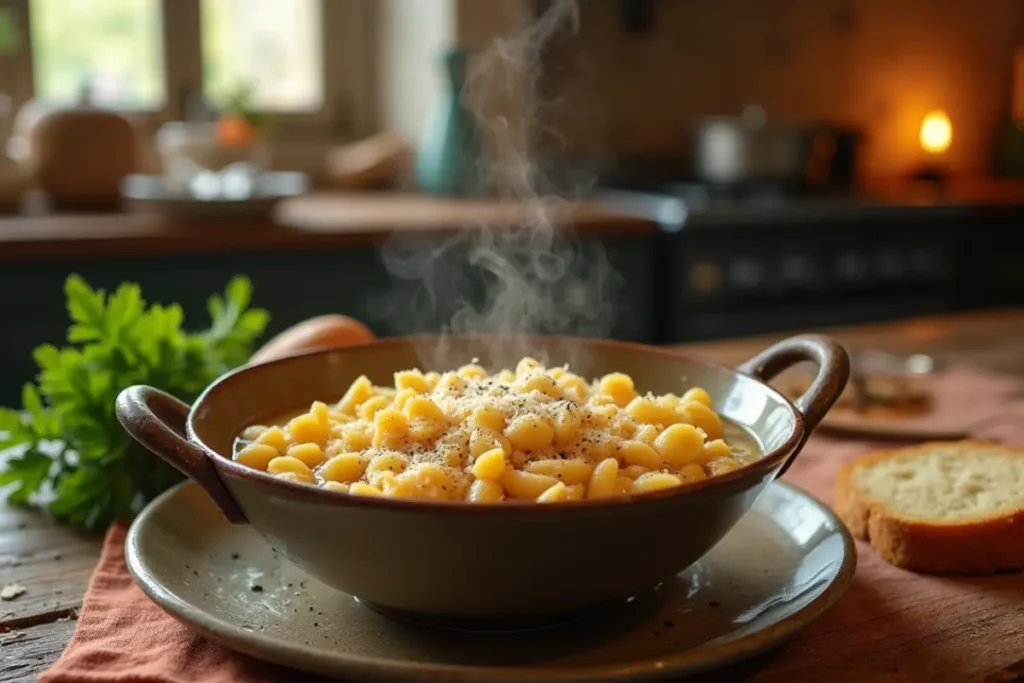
234, 131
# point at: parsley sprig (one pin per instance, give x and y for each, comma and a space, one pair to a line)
65, 447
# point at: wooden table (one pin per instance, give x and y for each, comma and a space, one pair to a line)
54, 563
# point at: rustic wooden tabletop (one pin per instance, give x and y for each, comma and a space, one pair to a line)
54, 563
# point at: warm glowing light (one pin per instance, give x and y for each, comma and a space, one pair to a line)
936, 132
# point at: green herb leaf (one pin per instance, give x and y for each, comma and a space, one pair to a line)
26, 472
66, 438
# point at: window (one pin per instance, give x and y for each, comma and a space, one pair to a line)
112, 48
147, 56
270, 47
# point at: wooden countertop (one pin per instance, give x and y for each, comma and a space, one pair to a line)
312, 221
55, 563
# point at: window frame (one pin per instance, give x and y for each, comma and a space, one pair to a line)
347, 104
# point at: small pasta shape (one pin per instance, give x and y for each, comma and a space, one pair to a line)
488, 417
254, 432
347, 467
655, 481
359, 391
307, 428
618, 387
567, 425
545, 384
680, 444
490, 465
361, 489
647, 412
285, 464
389, 427
716, 449
529, 432
702, 417
692, 472
486, 491
321, 412
372, 406
640, 454
310, 454
483, 440
603, 479
576, 492
525, 485
633, 471
526, 366
575, 471
472, 371
274, 437
722, 466
556, 494
388, 462
698, 394
411, 379
257, 455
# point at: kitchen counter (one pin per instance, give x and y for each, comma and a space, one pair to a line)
55, 564
314, 221
693, 209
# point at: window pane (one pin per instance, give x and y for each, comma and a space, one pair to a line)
116, 45
271, 47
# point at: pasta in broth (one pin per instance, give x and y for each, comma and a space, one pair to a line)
536, 433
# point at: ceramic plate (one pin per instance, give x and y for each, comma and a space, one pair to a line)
152, 193
928, 426
784, 563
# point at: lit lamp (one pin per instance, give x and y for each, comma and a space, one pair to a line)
936, 136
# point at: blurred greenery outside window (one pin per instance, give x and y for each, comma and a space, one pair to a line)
144, 56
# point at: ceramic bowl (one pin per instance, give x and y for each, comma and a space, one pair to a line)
505, 561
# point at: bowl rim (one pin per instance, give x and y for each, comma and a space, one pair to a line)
757, 470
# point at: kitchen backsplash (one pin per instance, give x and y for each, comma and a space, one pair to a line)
877, 64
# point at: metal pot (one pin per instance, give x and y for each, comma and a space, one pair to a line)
746, 148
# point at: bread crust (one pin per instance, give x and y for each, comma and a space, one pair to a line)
981, 545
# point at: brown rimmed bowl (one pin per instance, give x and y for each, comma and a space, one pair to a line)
437, 561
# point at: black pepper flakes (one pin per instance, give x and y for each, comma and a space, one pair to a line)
235, 556
256, 588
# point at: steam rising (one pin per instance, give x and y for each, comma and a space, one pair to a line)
528, 275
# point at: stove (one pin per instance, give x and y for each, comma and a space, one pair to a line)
750, 259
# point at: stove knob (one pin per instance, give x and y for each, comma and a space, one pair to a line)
705, 277
852, 267
889, 264
746, 273
798, 269
924, 262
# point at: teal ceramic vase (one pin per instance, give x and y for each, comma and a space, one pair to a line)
451, 153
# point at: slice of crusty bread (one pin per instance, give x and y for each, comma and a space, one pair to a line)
943, 508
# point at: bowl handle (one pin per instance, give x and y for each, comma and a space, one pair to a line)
833, 371
157, 421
